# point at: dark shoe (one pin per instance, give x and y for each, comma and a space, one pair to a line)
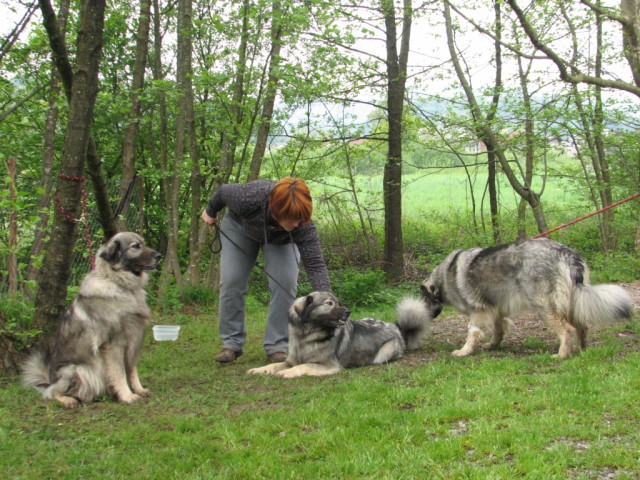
276, 357
227, 355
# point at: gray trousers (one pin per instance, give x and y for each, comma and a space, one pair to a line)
236, 263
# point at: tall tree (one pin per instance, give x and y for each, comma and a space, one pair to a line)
487, 131
264, 123
48, 154
396, 61
94, 164
133, 120
162, 155
572, 70
56, 269
184, 129
628, 18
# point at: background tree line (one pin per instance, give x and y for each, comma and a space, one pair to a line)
184, 95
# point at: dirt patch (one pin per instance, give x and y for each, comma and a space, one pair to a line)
528, 335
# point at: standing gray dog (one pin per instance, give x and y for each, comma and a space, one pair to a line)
99, 338
537, 275
322, 340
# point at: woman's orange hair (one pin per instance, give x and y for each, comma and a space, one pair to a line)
290, 199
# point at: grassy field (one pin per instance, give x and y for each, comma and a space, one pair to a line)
437, 218
513, 413
448, 190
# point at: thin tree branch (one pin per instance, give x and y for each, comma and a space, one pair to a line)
561, 64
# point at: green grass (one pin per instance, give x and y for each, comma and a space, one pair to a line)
429, 415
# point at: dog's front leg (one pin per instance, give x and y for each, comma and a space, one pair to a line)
133, 353
113, 357
136, 386
475, 336
270, 369
311, 369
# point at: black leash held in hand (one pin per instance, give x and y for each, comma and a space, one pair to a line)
216, 238
216, 249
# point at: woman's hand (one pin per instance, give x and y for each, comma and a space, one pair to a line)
209, 220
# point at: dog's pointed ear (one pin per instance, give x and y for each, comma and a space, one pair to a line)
111, 251
304, 314
431, 293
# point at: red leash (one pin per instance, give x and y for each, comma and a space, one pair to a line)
92, 257
588, 215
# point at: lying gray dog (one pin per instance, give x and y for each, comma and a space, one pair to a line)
322, 340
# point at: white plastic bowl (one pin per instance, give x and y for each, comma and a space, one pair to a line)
166, 332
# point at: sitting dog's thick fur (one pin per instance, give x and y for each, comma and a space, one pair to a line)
322, 340
99, 338
537, 275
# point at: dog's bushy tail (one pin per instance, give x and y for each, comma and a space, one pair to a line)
413, 321
35, 371
600, 304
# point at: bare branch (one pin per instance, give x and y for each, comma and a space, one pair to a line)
575, 77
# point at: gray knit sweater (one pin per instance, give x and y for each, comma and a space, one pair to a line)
247, 204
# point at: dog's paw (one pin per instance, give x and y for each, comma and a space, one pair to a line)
128, 399
289, 373
461, 353
143, 392
258, 371
67, 402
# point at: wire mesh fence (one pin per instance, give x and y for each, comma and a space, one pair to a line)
128, 210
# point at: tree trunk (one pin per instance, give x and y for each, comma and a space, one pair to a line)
183, 79
132, 128
610, 240
158, 75
495, 101
270, 96
195, 224
94, 168
236, 109
11, 348
593, 122
48, 155
638, 235
493, 196
392, 179
12, 260
56, 269
631, 36
485, 131
529, 144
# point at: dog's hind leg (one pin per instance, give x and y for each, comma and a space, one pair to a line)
500, 327
58, 391
390, 351
566, 333
581, 332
